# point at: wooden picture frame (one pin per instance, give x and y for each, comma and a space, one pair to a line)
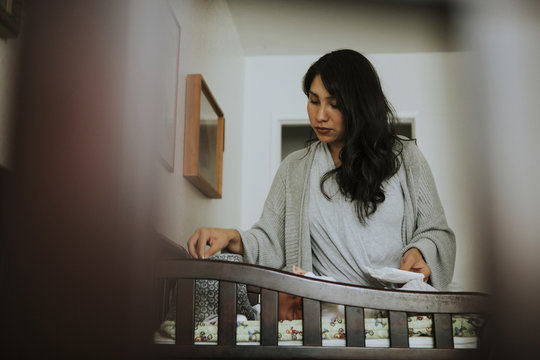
203, 138
10, 18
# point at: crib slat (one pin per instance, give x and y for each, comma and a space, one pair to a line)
185, 309
162, 304
354, 323
168, 287
442, 328
311, 322
227, 313
399, 329
253, 293
269, 315
485, 336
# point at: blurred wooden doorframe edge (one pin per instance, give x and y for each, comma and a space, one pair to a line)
4, 193
10, 18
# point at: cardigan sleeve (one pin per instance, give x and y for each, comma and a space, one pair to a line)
431, 234
264, 242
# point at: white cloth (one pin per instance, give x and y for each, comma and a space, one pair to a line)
418, 285
393, 275
412, 281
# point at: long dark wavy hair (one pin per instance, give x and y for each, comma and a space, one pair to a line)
371, 150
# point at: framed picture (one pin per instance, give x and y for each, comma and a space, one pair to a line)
10, 18
170, 42
203, 138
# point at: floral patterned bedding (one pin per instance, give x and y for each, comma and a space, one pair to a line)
375, 328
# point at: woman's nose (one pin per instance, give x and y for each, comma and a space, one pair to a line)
322, 114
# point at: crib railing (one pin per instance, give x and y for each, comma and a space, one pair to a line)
355, 298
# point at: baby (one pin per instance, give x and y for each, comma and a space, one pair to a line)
290, 306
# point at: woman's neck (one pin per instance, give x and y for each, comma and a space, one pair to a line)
335, 150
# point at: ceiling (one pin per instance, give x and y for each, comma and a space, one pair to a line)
296, 27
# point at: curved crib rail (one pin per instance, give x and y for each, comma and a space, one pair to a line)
441, 304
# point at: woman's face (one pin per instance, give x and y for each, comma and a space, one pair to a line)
325, 118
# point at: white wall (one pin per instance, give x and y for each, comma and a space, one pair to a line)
272, 92
210, 46
432, 85
299, 27
8, 53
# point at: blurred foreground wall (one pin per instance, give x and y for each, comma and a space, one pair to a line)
76, 235
505, 166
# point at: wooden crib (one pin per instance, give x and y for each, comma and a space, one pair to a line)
265, 283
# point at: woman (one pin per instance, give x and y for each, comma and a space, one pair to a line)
359, 198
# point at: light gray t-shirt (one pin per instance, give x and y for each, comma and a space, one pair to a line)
342, 246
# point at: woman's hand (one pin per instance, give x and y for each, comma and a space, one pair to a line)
413, 261
216, 239
298, 271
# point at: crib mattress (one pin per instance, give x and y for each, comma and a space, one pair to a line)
414, 342
466, 331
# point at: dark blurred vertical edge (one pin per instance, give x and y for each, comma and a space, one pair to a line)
503, 36
4, 285
76, 236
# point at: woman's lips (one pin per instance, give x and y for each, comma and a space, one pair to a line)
322, 130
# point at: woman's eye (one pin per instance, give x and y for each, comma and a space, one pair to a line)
334, 106
314, 102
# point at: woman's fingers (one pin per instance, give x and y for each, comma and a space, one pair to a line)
197, 243
215, 246
413, 260
423, 269
213, 238
204, 238
407, 262
192, 244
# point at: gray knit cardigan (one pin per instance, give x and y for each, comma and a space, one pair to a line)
281, 237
